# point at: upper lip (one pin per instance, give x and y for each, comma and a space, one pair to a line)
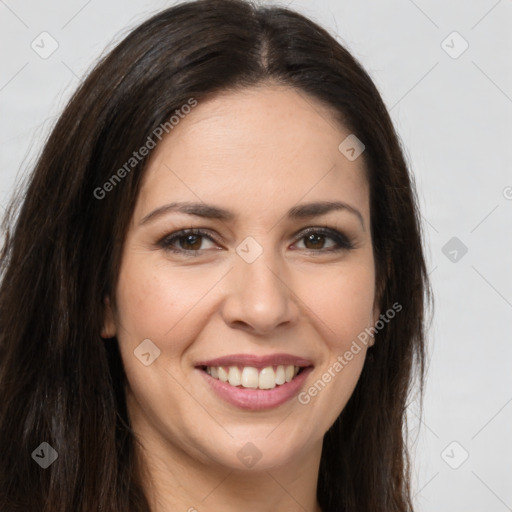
256, 361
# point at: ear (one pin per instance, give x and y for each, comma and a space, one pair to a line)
109, 326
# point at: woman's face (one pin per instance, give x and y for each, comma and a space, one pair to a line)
270, 284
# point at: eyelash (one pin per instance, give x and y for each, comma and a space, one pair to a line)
344, 244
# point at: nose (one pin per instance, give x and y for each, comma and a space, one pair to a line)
260, 297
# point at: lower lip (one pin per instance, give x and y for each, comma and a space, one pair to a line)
257, 399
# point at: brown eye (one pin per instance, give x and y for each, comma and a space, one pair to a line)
315, 239
187, 241
190, 242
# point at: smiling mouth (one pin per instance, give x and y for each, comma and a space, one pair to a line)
250, 377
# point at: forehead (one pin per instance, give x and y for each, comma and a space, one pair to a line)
260, 149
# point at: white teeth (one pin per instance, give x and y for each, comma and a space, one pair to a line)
267, 378
235, 379
280, 375
223, 374
289, 373
250, 377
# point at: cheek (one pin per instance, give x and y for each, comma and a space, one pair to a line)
343, 303
167, 305
153, 299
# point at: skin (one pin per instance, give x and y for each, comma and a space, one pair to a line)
257, 152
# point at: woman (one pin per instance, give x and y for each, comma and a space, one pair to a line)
213, 292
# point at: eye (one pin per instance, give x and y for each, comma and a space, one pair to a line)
314, 240
190, 241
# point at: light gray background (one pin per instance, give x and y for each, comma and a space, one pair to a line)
454, 117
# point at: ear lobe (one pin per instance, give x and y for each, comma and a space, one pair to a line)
109, 326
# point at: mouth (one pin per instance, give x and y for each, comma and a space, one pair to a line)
255, 382
250, 377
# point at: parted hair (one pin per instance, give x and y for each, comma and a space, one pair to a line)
61, 383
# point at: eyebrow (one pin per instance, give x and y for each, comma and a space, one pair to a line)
208, 211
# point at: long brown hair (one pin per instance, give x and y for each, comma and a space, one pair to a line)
62, 384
